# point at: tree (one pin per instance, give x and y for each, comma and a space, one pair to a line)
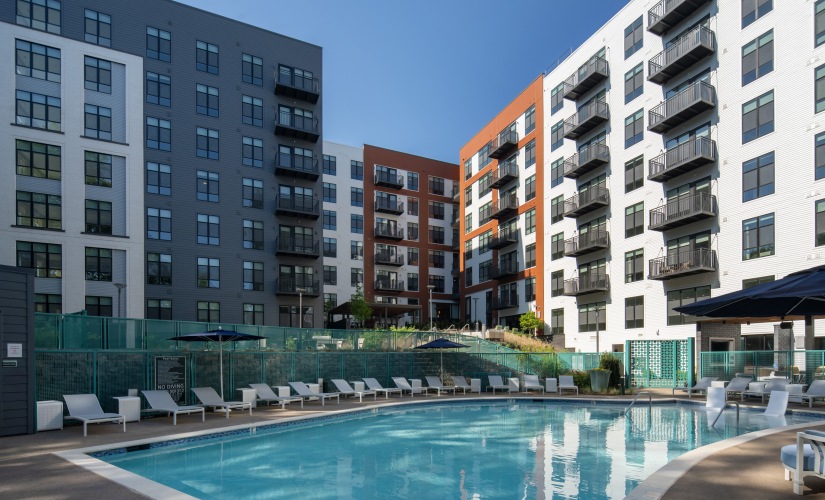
359, 308
530, 322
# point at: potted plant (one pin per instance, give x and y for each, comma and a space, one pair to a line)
599, 379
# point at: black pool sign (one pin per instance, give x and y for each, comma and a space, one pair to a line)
170, 375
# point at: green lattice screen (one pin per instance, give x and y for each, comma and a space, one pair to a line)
661, 363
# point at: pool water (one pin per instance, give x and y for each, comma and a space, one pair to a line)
522, 449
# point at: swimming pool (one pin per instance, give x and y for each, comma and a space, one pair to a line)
481, 449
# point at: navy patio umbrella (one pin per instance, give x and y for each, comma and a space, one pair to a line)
220, 336
441, 344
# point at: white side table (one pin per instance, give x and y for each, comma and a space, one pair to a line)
358, 385
283, 391
475, 385
794, 392
249, 395
129, 407
314, 387
551, 384
513, 383
49, 415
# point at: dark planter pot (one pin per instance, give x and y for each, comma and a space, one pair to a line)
599, 380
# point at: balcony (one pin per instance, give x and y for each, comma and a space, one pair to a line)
297, 166
456, 193
504, 270
586, 201
591, 241
297, 126
697, 44
298, 247
586, 119
506, 142
389, 258
589, 283
295, 286
300, 87
504, 174
682, 158
504, 207
682, 211
388, 180
587, 159
298, 205
387, 206
698, 261
503, 238
455, 270
696, 98
586, 77
505, 300
389, 285
389, 232
668, 13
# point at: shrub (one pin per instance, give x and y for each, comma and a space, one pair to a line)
610, 361
581, 379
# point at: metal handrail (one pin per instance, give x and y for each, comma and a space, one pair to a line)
722, 410
649, 401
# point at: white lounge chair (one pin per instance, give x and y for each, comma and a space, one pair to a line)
402, 384
266, 394
737, 385
303, 390
701, 385
777, 404
162, 401
566, 383
435, 383
347, 390
496, 383
532, 382
86, 408
805, 458
210, 398
374, 385
459, 382
815, 391
776, 384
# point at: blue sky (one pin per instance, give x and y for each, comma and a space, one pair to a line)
423, 76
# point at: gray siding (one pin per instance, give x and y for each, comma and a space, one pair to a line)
38, 86
37, 185
17, 326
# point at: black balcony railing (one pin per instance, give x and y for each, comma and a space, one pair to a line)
586, 77
695, 45
505, 142
591, 241
388, 206
389, 258
682, 210
682, 158
668, 13
696, 98
503, 238
681, 264
292, 84
389, 285
505, 300
587, 283
389, 180
505, 173
302, 246
456, 193
389, 231
504, 207
297, 126
290, 285
587, 159
586, 201
586, 119
298, 166
298, 205
504, 269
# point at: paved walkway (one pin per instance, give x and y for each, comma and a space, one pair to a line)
28, 469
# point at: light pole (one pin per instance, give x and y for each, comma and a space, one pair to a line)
475, 311
597, 329
431, 287
300, 291
120, 287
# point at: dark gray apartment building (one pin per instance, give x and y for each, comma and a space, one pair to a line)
184, 183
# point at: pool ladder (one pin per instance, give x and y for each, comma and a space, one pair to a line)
722, 410
649, 401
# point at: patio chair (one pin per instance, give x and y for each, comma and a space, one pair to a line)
86, 408
402, 384
459, 382
373, 385
815, 391
776, 384
566, 383
267, 395
532, 382
737, 386
210, 398
805, 458
162, 401
435, 383
347, 390
495, 382
777, 404
303, 390
702, 385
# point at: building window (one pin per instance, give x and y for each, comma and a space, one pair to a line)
468, 276
356, 277
556, 175
530, 289
253, 193
633, 38
530, 119
99, 306
634, 128
412, 231
634, 312
207, 100
37, 111
557, 322
633, 83
757, 117
468, 249
98, 75
484, 241
754, 9
253, 111
412, 256
820, 223
357, 223
253, 234
207, 143
158, 134
209, 273
484, 155
158, 268
556, 135
39, 210
48, 303
158, 178
98, 169
557, 98
557, 246
436, 186
437, 259
758, 177
412, 282
356, 250
330, 192
158, 44
98, 264
748, 283
330, 275
634, 174
819, 156
43, 15
468, 223
758, 237
556, 283
330, 220
437, 235
98, 122
46, 259
634, 220
436, 210
529, 154
252, 69
253, 275
438, 283
209, 229
634, 266
253, 152
557, 209
687, 296
330, 247
819, 22
412, 181
158, 224
356, 197
356, 170
468, 169
484, 271
158, 89
209, 312
206, 57
208, 186
412, 206
98, 217
253, 314
592, 317
757, 58
37, 61
35, 159
530, 221
288, 316
159, 309
330, 164
98, 28
819, 86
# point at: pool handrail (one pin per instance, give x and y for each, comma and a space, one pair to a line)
649, 400
722, 410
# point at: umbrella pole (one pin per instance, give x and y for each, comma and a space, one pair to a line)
220, 361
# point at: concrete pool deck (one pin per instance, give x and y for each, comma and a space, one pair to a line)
29, 468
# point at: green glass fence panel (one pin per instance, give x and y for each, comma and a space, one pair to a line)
159, 332
83, 332
125, 333
246, 369
305, 366
330, 366
278, 368
117, 372
63, 372
206, 372
47, 331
